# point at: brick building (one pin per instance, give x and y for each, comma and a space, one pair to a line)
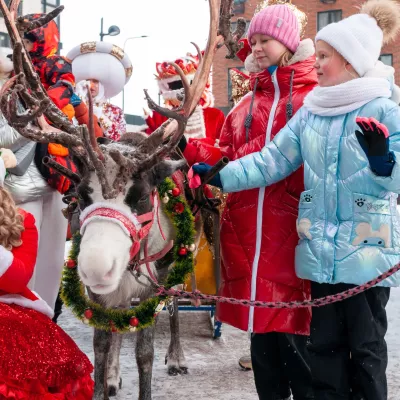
319, 12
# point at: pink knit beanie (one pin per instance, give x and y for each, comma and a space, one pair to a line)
279, 22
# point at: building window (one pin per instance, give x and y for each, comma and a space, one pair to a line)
238, 7
19, 8
4, 40
387, 59
327, 17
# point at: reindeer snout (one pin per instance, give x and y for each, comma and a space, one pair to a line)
97, 268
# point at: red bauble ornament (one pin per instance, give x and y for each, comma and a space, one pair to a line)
113, 328
70, 264
182, 251
179, 208
88, 313
176, 192
134, 322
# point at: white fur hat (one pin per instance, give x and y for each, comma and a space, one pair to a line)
104, 62
359, 38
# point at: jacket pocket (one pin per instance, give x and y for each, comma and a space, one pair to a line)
372, 221
306, 212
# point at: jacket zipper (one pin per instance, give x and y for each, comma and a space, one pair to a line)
261, 197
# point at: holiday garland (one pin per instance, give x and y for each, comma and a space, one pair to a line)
142, 316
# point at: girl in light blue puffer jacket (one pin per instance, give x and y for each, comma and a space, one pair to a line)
348, 136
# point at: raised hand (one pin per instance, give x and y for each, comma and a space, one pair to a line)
374, 136
374, 140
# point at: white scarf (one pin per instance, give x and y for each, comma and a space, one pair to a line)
349, 96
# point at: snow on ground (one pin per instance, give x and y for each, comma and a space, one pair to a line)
214, 372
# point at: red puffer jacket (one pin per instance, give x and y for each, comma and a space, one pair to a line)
258, 228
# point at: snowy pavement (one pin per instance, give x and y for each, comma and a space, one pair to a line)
214, 373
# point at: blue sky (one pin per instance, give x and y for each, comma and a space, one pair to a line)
171, 26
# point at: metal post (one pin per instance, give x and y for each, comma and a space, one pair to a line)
101, 30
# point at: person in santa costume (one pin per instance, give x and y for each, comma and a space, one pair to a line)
206, 122
105, 69
38, 360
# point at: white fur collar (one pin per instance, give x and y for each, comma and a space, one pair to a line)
305, 50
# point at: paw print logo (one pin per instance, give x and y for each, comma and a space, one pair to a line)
307, 198
360, 202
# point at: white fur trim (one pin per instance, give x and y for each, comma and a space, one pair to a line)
95, 206
305, 50
37, 305
6, 259
195, 127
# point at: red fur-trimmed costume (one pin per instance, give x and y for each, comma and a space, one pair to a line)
204, 126
206, 122
38, 360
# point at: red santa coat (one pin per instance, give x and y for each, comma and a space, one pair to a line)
258, 227
38, 361
16, 269
213, 122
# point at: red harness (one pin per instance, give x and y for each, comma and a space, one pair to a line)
137, 227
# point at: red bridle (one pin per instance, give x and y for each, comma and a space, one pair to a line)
136, 227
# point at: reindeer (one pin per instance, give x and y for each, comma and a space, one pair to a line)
121, 178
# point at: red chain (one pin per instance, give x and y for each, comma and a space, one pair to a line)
162, 291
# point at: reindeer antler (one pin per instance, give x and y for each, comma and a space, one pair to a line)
81, 140
192, 94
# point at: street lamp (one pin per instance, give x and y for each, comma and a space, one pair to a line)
113, 30
123, 90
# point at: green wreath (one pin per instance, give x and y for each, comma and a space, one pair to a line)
142, 316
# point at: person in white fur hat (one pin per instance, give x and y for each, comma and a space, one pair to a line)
106, 69
347, 135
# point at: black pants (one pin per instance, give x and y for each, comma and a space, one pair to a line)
348, 351
281, 366
57, 308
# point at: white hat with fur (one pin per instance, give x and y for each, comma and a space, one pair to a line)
359, 38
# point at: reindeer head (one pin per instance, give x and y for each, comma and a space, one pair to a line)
117, 181
112, 229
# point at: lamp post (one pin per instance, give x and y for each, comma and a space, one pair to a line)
113, 30
123, 90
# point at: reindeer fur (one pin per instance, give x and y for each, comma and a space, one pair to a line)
105, 252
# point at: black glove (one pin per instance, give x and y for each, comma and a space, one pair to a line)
374, 140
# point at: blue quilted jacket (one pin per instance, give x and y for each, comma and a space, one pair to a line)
347, 223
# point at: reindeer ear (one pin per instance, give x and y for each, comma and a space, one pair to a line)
163, 170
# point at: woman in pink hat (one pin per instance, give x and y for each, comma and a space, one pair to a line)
258, 229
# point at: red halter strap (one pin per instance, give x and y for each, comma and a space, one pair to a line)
137, 227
